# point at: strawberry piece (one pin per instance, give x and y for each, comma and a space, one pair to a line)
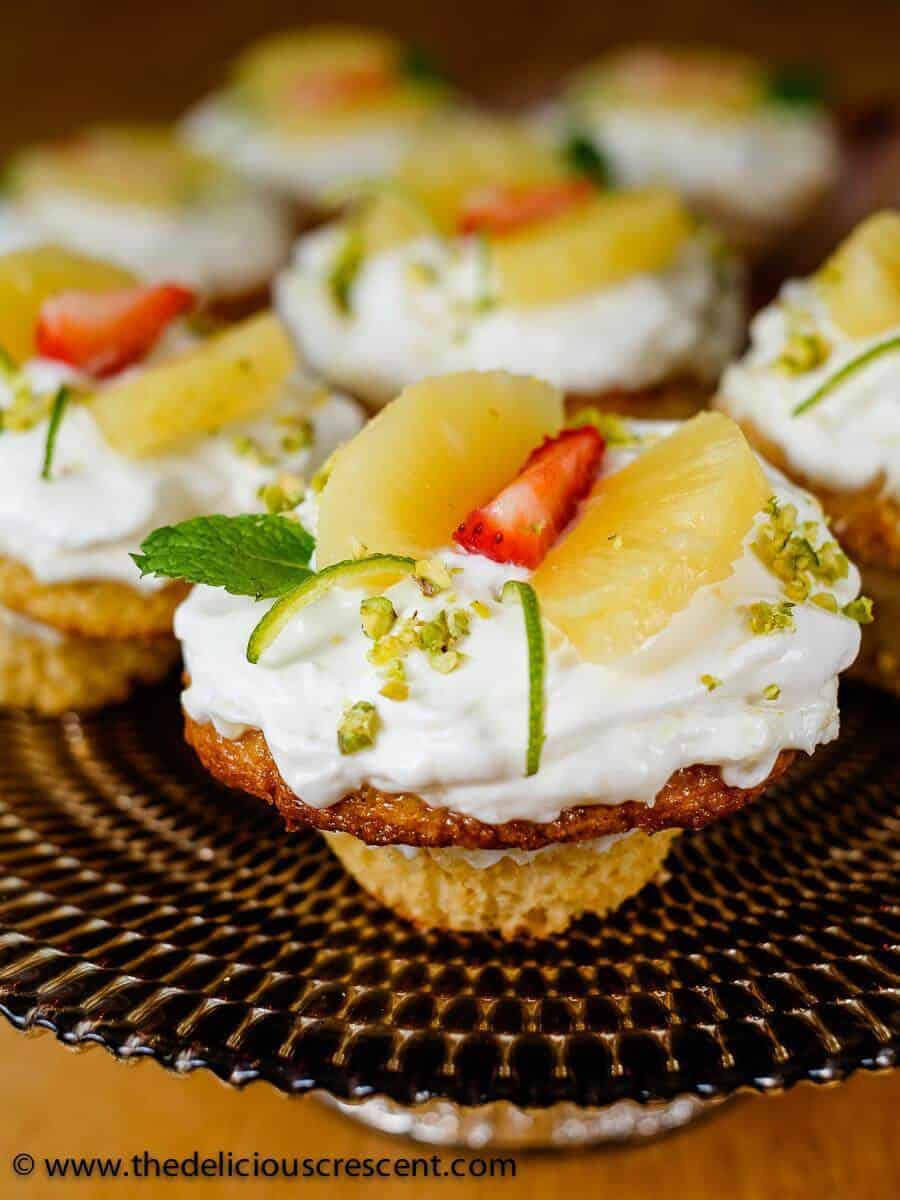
523, 521
331, 88
102, 332
506, 208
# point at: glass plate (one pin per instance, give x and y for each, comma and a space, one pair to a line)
146, 909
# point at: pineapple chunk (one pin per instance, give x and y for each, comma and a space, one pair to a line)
650, 536
390, 216
137, 165
442, 448
231, 377
463, 154
593, 246
320, 79
713, 82
861, 280
31, 276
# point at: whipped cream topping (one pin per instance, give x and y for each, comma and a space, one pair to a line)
306, 166
613, 733
425, 308
764, 167
850, 439
99, 505
233, 243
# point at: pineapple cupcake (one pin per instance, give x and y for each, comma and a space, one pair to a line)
750, 146
489, 251
138, 197
116, 416
819, 392
501, 690
308, 112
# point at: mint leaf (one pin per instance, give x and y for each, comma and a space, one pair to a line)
584, 157
259, 555
418, 65
60, 401
797, 86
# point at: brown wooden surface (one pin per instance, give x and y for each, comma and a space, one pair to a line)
68, 61
813, 1143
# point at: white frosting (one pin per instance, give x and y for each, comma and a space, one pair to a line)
306, 166
764, 167
406, 323
613, 733
231, 244
99, 505
848, 440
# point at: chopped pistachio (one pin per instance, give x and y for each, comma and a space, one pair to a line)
825, 600
615, 540
833, 563
859, 610
344, 270
614, 430
301, 436
248, 447
435, 635
377, 615
395, 689
460, 623
432, 576
772, 692
770, 618
282, 495
803, 351
710, 682
445, 661
480, 609
358, 728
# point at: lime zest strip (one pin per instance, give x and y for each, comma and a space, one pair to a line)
318, 585
850, 368
534, 633
60, 401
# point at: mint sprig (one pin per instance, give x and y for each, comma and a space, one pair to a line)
585, 158
258, 555
534, 634
60, 402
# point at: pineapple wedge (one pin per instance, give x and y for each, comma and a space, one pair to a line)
442, 448
861, 280
121, 164
650, 536
594, 246
31, 276
462, 154
231, 377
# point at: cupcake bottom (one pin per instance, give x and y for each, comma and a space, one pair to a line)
52, 672
535, 893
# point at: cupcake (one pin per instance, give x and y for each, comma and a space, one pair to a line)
138, 197
306, 113
818, 393
489, 251
116, 416
502, 690
750, 146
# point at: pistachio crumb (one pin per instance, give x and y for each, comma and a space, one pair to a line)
480, 609
766, 618
358, 728
432, 576
710, 682
377, 615
825, 600
860, 610
772, 692
395, 689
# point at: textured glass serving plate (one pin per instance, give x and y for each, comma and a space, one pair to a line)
145, 909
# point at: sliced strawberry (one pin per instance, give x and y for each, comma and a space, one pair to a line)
333, 88
102, 332
521, 523
506, 208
